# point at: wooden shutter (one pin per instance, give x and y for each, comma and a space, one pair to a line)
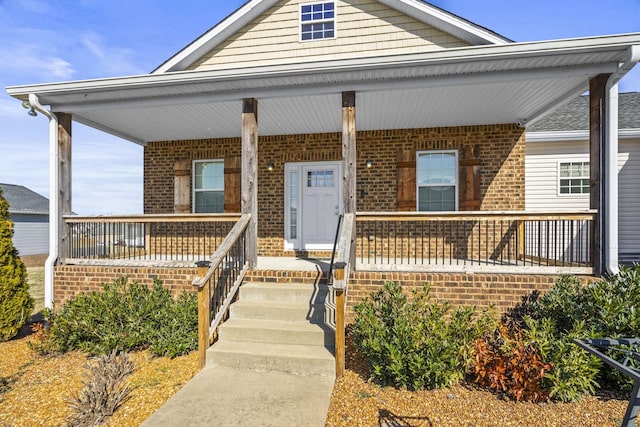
182, 186
406, 180
232, 184
469, 175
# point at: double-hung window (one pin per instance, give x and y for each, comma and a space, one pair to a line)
208, 186
573, 178
437, 181
317, 21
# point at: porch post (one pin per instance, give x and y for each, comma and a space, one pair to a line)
599, 167
349, 159
64, 182
249, 201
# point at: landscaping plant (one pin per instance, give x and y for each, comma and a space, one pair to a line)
124, 316
413, 342
105, 390
16, 304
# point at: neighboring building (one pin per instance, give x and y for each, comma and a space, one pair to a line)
30, 215
557, 166
293, 112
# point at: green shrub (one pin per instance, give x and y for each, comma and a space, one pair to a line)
607, 308
123, 317
574, 371
16, 304
414, 343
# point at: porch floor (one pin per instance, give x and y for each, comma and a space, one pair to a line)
293, 264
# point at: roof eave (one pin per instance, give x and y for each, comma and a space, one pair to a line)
452, 56
575, 135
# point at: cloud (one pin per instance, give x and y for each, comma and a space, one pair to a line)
111, 60
31, 60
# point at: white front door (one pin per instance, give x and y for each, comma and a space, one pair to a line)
314, 203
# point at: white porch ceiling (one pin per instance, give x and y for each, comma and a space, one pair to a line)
511, 83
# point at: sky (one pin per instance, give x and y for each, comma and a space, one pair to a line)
44, 41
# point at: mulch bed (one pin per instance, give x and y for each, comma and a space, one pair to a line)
35, 390
359, 402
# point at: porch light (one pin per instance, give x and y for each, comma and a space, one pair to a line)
270, 167
369, 164
27, 106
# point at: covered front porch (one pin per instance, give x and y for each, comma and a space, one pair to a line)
371, 119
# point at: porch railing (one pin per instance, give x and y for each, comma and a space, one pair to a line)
476, 241
343, 265
145, 238
218, 282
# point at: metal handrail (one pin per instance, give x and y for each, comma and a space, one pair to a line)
333, 252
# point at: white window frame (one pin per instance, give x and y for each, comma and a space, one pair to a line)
559, 178
318, 21
456, 184
204, 190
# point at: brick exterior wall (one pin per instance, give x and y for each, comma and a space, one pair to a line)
501, 150
482, 290
71, 280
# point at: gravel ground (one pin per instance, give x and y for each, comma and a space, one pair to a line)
357, 402
34, 390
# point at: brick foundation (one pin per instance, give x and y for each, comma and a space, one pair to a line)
479, 289
71, 280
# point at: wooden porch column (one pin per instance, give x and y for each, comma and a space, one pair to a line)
64, 180
349, 200
249, 199
598, 165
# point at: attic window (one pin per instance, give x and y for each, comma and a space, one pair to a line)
317, 21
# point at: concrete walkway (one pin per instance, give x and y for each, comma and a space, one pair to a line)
225, 396
220, 396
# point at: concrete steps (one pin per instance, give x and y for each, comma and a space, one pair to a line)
277, 327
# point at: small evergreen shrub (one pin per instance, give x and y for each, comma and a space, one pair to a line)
413, 342
16, 304
124, 317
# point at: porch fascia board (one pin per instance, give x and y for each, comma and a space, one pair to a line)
575, 135
607, 51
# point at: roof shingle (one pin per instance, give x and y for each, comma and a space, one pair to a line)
575, 115
23, 200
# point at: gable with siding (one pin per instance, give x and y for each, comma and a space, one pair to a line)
364, 28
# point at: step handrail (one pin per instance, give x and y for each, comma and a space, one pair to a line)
224, 272
345, 261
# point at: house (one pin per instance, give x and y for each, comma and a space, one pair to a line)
557, 166
29, 212
406, 119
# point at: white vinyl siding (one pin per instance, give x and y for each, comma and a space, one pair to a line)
31, 234
541, 177
364, 28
